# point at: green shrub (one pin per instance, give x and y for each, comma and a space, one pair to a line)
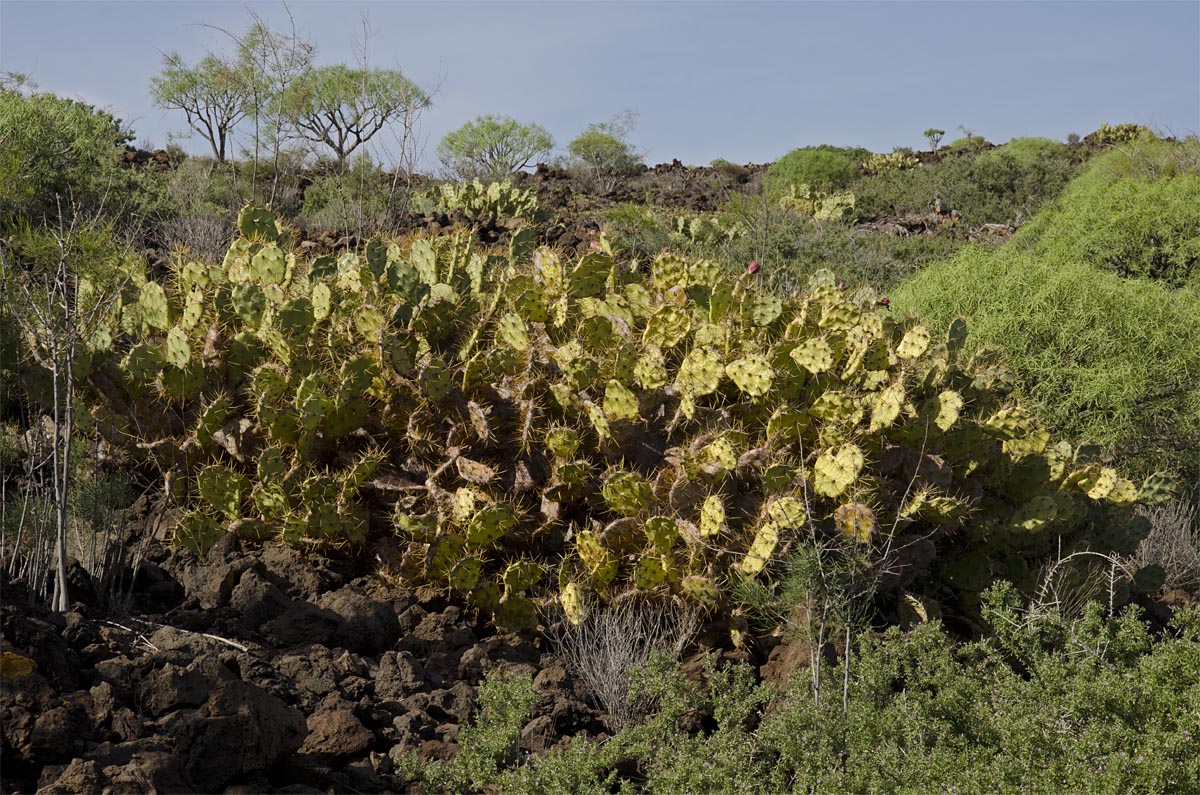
991, 188
968, 143
1045, 705
358, 199
489, 743
57, 153
1101, 358
823, 168
1029, 150
602, 153
1132, 212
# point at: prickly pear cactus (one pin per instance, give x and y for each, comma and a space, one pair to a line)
489, 421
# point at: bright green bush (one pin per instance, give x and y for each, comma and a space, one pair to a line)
1027, 150
823, 168
56, 153
1101, 358
968, 143
490, 742
1136, 213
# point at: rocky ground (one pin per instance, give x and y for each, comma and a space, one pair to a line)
259, 671
254, 671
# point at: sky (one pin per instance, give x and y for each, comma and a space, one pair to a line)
743, 81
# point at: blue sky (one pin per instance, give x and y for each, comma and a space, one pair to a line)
743, 81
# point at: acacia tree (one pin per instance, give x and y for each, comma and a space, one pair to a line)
603, 153
493, 147
214, 95
272, 62
342, 108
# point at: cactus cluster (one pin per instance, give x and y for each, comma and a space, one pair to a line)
706, 230
806, 200
1116, 134
507, 424
494, 201
887, 163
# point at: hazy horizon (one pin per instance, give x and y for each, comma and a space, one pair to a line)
746, 82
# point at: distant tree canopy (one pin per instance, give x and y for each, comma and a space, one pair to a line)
603, 149
343, 108
493, 147
270, 78
56, 153
214, 95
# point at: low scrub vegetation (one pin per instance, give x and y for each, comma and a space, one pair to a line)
1045, 705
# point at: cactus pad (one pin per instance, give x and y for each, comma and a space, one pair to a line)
836, 469
627, 493
751, 374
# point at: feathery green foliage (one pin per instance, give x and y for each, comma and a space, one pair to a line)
1101, 357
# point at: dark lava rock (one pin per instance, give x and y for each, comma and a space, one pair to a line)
337, 733
366, 626
240, 728
134, 767
172, 687
257, 600
303, 623
400, 674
